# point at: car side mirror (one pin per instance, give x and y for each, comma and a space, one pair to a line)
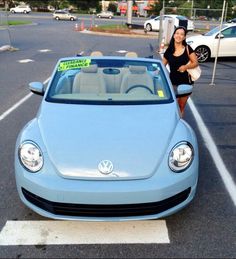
220, 35
184, 90
37, 88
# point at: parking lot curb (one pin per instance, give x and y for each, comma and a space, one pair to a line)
134, 35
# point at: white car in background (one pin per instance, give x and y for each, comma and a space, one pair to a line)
105, 14
21, 9
205, 46
179, 20
63, 15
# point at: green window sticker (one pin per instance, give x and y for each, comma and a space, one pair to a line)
73, 64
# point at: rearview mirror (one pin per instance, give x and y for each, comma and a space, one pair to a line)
37, 88
184, 90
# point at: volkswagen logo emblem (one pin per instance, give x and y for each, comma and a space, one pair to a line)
105, 167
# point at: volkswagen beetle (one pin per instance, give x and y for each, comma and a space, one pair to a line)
108, 143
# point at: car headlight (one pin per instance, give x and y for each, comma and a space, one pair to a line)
180, 157
30, 156
190, 42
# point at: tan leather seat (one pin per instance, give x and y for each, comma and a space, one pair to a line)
89, 80
131, 54
96, 54
137, 76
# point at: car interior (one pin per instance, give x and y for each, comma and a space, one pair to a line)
108, 80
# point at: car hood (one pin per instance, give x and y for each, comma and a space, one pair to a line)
198, 38
133, 137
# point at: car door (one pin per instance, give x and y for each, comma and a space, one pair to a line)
227, 42
156, 24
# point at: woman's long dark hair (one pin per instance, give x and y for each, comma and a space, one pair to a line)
172, 41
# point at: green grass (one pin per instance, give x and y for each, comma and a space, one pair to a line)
112, 28
16, 23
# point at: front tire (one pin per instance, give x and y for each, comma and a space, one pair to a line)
149, 27
203, 53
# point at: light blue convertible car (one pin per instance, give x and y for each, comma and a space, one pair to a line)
108, 143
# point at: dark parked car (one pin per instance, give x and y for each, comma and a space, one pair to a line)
232, 20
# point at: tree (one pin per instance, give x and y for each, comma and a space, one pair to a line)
38, 4
156, 8
112, 7
8, 3
55, 4
187, 11
85, 5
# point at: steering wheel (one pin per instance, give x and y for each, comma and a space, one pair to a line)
139, 86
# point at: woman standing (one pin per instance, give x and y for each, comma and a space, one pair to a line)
180, 57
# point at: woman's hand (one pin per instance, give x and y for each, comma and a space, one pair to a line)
193, 62
182, 68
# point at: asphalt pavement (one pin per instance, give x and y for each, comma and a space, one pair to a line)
5, 39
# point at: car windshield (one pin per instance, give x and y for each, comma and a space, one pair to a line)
109, 81
215, 30
182, 18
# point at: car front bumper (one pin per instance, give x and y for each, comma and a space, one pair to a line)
52, 196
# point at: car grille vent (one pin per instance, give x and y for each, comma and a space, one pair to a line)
117, 210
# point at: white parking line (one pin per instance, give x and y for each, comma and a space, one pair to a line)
25, 60
77, 232
122, 51
220, 165
44, 50
15, 106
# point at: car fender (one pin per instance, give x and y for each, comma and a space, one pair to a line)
31, 132
183, 132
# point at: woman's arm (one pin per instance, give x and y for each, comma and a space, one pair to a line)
164, 61
193, 62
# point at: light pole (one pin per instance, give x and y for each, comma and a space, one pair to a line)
191, 11
162, 12
9, 34
129, 12
226, 10
218, 45
103, 5
192, 15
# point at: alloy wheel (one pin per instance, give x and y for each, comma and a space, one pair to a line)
202, 53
